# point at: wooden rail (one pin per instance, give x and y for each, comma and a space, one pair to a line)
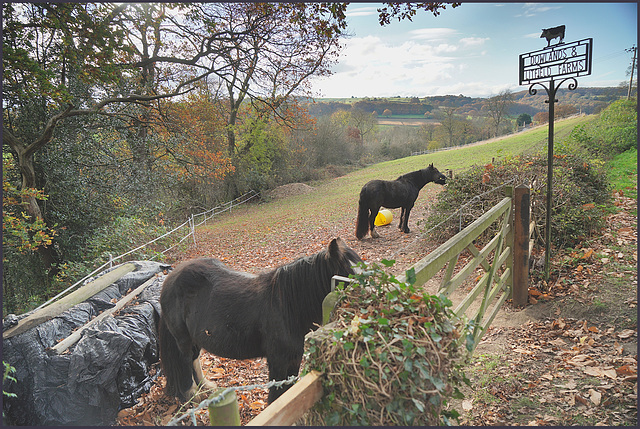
80, 295
75, 336
293, 403
506, 275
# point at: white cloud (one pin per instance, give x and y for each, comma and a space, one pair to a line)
534, 9
432, 33
410, 59
362, 11
473, 41
369, 65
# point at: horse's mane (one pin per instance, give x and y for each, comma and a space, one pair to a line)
301, 286
416, 177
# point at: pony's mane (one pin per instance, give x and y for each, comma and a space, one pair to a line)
301, 285
417, 177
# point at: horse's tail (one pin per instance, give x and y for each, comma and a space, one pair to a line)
172, 362
362, 221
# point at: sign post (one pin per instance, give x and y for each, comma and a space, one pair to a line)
565, 61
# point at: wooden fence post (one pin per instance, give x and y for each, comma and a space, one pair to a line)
520, 290
192, 227
225, 412
509, 240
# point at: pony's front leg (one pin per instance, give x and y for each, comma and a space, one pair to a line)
200, 387
404, 220
280, 369
200, 382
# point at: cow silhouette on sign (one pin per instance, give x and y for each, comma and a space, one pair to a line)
553, 33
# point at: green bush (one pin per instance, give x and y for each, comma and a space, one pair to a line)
580, 192
391, 355
614, 132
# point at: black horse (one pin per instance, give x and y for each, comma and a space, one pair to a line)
392, 194
206, 305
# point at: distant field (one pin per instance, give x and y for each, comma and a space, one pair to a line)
408, 120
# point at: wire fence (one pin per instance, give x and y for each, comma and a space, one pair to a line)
190, 226
214, 400
458, 213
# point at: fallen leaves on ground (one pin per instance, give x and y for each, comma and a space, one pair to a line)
580, 372
155, 408
256, 247
575, 373
567, 371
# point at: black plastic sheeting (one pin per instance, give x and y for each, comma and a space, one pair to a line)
104, 372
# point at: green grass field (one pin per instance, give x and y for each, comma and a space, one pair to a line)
336, 198
624, 173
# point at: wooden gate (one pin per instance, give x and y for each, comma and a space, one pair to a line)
506, 273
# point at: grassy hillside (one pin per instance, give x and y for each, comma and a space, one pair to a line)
334, 200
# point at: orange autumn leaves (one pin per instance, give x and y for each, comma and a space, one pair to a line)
195, 139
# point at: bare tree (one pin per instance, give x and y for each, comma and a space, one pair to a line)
498, 108
288, 44
448, 123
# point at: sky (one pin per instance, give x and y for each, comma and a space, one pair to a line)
473, 49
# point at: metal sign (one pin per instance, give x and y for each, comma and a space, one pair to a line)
562, 60
566, 61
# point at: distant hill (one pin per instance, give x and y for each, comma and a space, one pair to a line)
585, 100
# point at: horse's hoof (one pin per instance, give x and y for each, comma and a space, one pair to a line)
200, 393
374, 234
209, 385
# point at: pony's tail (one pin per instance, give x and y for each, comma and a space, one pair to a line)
362, 221
172, 362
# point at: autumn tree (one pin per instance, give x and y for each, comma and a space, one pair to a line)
66, 60
289, 43
365, 123
426, 134
541, 118
195, 161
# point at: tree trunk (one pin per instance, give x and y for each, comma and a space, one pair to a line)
47, 253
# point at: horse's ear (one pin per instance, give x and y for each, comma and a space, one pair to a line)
334, 247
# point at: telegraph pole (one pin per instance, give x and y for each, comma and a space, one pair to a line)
633, 64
